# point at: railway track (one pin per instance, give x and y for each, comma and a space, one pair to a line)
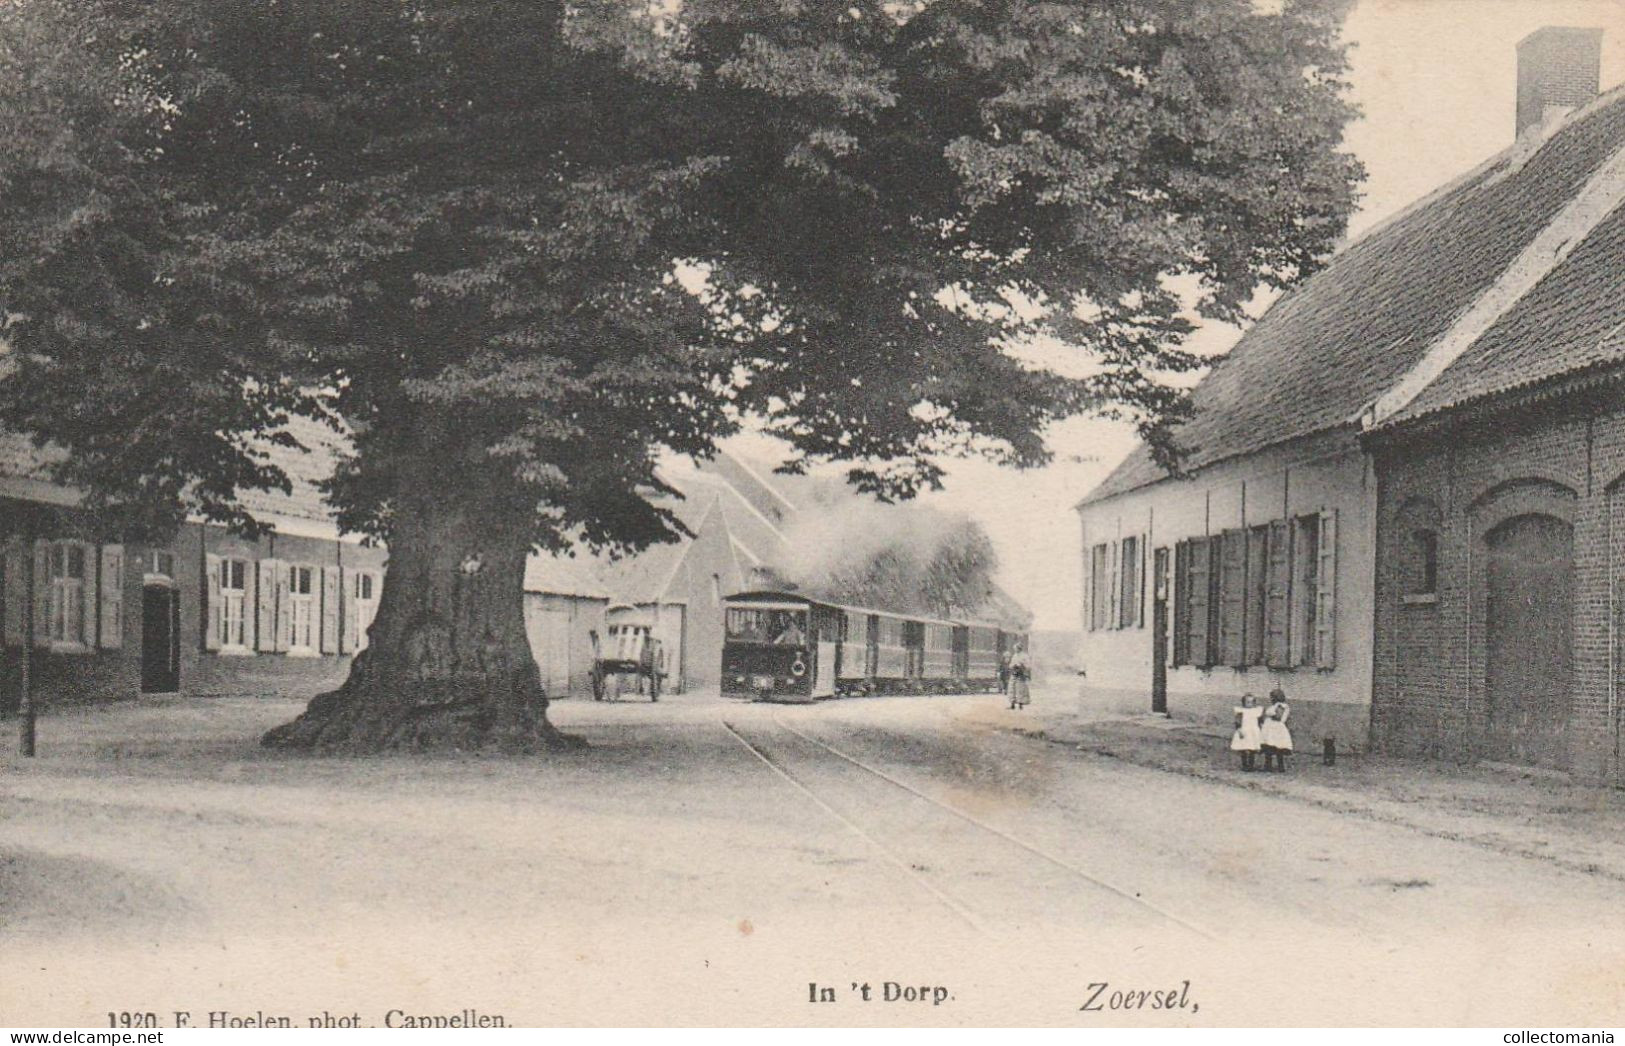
988, 877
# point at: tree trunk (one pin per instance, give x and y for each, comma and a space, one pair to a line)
447, 664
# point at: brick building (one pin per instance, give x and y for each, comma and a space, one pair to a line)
1272, 562
205, 612
1501, 492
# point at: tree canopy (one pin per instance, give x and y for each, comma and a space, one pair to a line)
514, 252
530, 245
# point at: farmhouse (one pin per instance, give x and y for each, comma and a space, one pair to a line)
1500, 471
1273, 561
207, 612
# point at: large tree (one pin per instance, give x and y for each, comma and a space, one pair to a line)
513, 251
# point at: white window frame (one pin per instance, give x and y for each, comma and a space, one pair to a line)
304, 613
234, 607
158, 566
66, 595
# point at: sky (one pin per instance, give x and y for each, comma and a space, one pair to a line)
1435, 80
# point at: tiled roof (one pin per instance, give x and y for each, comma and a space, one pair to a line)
1327, 349
642, 578
306, 469
639, 578
1573, 319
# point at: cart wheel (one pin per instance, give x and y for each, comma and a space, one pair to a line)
597, 684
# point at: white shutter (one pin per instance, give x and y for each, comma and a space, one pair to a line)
89, 599
284, 608
348, 619
329, 642
1326, 593
265, 606
111, 610
213, 606
251, 616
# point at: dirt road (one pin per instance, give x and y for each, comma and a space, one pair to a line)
711, 862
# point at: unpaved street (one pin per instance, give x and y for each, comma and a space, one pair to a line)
707, 861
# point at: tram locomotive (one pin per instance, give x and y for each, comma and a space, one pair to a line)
781, 646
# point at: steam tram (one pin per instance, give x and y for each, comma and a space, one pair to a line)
780, 646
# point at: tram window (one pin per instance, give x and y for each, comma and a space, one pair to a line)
788, 629
780, 627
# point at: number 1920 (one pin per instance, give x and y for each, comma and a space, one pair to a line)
130, 1019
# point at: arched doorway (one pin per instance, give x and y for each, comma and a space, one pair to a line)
1530, 614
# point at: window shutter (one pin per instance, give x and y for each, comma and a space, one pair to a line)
1181, 597
348, 617
1326, 593
16, 578
284, 608
1089, 589
251, 613
90, 598
1097, 591
111, 610
1201, 603
42, 593
213, 605
1114, 583
265, 606
330, 610
1278, 597
1305, 567
1232, 597
1257, 598
1145, 562
1128, 614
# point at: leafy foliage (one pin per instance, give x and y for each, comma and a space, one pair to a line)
514, 250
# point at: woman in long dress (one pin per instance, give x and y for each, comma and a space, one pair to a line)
1246, 739
1020, 672
1275, 738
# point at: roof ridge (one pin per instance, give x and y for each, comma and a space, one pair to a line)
745, 467
1599, 197
1546, 133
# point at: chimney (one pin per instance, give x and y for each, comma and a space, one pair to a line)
1558, 71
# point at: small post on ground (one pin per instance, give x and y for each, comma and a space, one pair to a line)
25, 706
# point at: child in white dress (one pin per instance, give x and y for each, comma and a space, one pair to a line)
1276, 738
1247, 737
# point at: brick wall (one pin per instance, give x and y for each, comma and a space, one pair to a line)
1558, 67
1430, 693
102, 670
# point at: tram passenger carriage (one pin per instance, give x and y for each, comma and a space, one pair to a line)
780, 646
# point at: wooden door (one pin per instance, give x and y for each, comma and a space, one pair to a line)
160, 640
1530, 612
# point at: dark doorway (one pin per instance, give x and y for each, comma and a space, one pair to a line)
1159, 632
1530, 657
160, 640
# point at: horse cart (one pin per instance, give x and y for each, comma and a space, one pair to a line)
629, 650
